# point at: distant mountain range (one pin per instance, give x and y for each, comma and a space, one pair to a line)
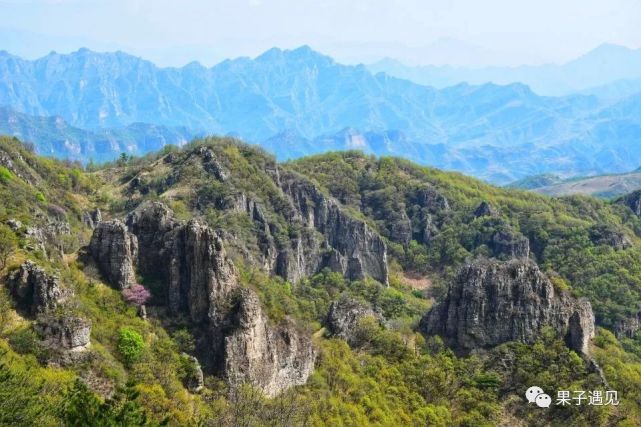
53, 136
606, 186
604, 66
299, 102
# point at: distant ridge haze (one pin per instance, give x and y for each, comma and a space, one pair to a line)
297, 102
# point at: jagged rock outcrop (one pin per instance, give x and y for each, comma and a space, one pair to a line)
211, 163
348, 245
92, 218
505, 244
633, 201
604, 234
627, 327
201, 282
501, 239
485, 209
491, 302
345, 314
195, 380
65, 333
115, 251
34, 290
273, 358
426, 204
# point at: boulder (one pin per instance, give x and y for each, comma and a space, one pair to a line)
491, 302
344, 316
34, 290
195, 380
485, 209
64, 333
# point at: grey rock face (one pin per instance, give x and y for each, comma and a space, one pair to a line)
506, 244
609, 235
344, 316
195, 380
34, 290
349, 245
92, 218
67, 333
202, 282
633, 201
485, 209
628, 327
492, 302
211, 164
272, 358
115, 250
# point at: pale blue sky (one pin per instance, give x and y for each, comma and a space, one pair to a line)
460, 32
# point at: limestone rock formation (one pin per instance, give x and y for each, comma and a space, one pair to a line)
501, 239
92, 218
66, 333
211, 164
195, 380
633, 201
609, 235
491, 302
344, 316
505, 244
627, 327
485, 209
349, 246
34, 290
115, 250
201, 282
273, 358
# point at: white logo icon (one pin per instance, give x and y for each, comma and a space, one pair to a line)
536, 395
543, 400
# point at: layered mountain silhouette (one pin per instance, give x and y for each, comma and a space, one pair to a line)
299, 102
607, 65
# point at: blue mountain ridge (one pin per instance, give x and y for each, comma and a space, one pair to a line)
299, 102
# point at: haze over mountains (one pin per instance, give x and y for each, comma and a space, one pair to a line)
608, 71
299, 102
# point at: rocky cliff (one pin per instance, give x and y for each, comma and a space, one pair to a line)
633, 201
115, 250
491, 302
34, 290
344, 316
348, 245
241, 345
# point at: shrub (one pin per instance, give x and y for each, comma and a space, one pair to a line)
130, 345
5, 175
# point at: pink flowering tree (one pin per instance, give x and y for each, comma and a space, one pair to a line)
136, 294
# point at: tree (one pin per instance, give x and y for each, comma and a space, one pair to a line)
136, 294
122, 160
84, 408
8, 243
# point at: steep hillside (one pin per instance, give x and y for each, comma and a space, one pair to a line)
213, 285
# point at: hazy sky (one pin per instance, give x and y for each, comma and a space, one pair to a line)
460, 32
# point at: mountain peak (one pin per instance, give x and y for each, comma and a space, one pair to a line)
302, 53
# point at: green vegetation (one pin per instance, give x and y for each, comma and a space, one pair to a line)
130, 345
390, 376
